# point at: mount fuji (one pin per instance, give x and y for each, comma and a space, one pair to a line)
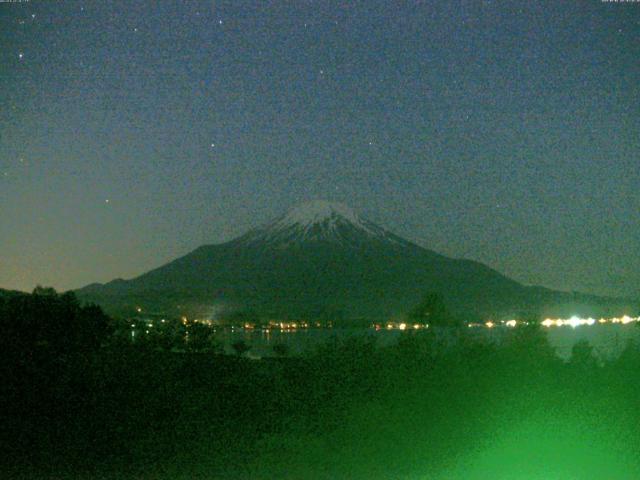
322, 260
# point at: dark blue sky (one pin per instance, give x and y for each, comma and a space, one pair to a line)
505, 132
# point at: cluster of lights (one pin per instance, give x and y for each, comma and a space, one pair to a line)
400, 326
505, 323
574, 322
286, 325
577, 321
250, 326
204, 321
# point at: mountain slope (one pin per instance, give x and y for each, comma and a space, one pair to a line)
323, 260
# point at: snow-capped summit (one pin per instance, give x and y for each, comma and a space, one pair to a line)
319, 220
318, 211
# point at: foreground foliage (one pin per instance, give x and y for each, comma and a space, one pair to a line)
349, 410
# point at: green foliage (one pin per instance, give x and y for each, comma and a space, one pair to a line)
48, 346
199, 337
461, 407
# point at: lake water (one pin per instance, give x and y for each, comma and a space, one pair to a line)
608, 340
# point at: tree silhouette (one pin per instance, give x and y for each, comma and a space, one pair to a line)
199, 337
50, 322
240, 347
48, 345
432, 310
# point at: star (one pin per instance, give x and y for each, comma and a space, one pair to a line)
20, 55
220, 22
213, 145
106, 200
33, 15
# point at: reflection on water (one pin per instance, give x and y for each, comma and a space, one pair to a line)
608, 340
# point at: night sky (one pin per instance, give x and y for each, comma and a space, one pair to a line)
504, 132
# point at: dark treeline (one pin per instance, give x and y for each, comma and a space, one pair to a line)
79, 402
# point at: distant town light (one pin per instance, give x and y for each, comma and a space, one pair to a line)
574, 321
